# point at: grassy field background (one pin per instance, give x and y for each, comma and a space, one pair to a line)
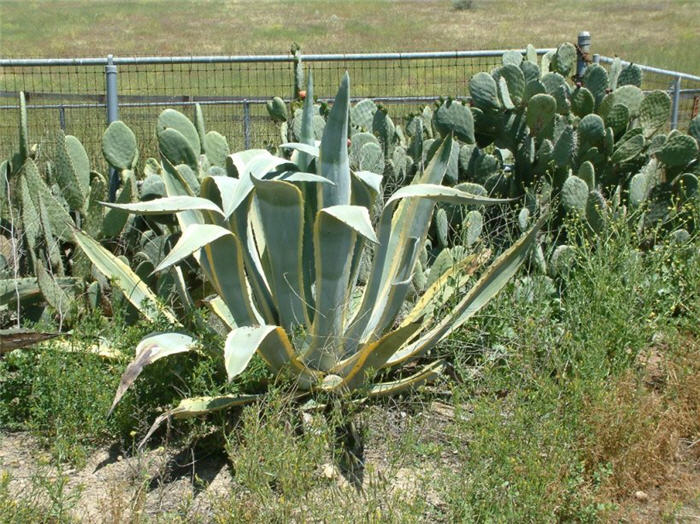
662, 33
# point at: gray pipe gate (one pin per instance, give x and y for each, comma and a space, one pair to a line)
234, 89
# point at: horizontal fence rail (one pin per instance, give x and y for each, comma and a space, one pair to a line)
80, 95
683, 88
71, 94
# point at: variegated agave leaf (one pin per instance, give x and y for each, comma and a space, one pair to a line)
281, 247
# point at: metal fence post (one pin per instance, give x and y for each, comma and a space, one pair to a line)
62, 117
246, 124
584, 49
676, 102
112, 115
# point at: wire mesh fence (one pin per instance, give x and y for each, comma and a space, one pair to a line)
232, 91
70, 94
685, 87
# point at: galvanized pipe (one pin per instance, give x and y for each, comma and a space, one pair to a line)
112, 116
667, 72
584, 48
39, 62
676, 102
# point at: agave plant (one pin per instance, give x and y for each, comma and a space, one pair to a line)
281, 240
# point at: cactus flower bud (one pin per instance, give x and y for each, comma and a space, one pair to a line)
302, 94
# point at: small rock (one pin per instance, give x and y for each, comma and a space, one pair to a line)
329, 471
641, 496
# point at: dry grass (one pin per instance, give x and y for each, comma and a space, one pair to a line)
662, 33
648, 432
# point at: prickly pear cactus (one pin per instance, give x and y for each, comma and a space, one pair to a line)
453, 117
277, 109
630, 75
119, 146
484, 92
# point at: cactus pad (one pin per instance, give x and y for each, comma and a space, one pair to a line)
562, 260
591, 131
484, 91
654, 111
277, 109
678, 151
595, 79
596, 211
617, 118
216, 148
515, 79
442, 226
586, 172
362, 114
512, 58
574, 194
630, 96
694, 128
615, 69
71, 174
564, 59
471, 227
630, 75
171, 119
530, 71
540, 115
371, 158
685, 186
628, 149
453, 116
565, 148
119, 146
176, 148
384, 128
582, 102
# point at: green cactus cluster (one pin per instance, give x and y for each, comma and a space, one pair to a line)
46, 198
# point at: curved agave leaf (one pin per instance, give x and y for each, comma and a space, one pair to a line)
221, 190
152, 348
277, 351
308, 149
490, 283
241, 227
372, 181
446, 284
237, 163
362, 366
175, 185
334, 163
135, 290
299, 176
307, 127
241, 345
173, 204
115, 219
193, 407
282, 220
221, 310
427, 374
222, 261
194, 238
393, 250
335, 234
16, 338
390, 298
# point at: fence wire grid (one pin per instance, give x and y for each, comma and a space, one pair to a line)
70, 94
